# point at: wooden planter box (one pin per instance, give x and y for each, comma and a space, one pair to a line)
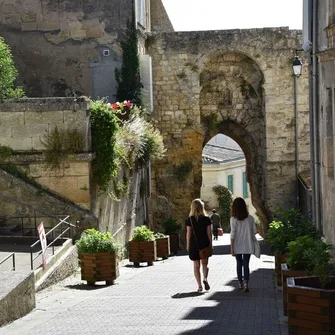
174, 243
287, 273
279, 260
163, 247
100, 266
310, 310
142, 251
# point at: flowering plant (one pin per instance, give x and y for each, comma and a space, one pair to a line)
124, 106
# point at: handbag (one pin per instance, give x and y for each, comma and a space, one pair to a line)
257, 248
205, 252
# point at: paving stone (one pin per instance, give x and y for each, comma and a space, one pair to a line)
161, 299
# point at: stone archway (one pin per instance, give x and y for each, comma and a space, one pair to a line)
238, 83
231, 102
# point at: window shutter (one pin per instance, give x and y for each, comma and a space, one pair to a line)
230, 183
245, 185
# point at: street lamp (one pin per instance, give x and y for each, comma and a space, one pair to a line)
297, 67
297, 70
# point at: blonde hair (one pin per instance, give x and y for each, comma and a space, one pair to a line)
197, 207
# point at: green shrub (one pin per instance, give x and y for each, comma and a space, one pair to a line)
8, 74
59, 143
296, 258
289, 225
142, 233
160, 235
92, 241
170, 226
311, 255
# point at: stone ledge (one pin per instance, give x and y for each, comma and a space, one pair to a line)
44, 104
39, 157
17, 295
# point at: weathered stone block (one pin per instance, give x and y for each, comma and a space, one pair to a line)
29, 130
45, 118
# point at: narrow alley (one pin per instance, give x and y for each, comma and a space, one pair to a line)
162, 299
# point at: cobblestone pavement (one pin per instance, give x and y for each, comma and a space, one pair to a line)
161, 299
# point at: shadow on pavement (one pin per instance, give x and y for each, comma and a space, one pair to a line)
235, 311
86, 287
186, 295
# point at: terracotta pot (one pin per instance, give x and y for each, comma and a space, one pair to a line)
174, 243
279, 260
163, 247
311, 310
142, 251
287, 273
100, 266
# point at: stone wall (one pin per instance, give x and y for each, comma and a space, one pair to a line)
57, 45
24, 124
235, 82
67, 190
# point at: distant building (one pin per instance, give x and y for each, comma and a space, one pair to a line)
223, 163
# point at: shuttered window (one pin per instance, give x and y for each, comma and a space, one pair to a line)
231, 183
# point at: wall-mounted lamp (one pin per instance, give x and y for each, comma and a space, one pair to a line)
297, 66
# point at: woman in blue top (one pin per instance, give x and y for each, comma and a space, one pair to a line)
242, 237
198, 236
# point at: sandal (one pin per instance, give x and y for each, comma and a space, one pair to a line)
199, 289
207, 287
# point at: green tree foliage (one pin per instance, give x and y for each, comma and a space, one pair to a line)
8, 74
129, 79
225, 200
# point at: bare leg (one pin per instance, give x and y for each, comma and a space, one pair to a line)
204, 263
196, 268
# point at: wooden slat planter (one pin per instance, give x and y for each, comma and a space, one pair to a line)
163, 247
287, 273
100, 266
310, 310
279, 260
174, 243
142, 251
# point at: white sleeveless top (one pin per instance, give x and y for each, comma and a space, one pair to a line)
243, 233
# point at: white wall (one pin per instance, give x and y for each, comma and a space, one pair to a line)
214, 174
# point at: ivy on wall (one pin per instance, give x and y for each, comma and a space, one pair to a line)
225, 200
129, 79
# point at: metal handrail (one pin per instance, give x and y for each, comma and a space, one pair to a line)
9, 256
54, 239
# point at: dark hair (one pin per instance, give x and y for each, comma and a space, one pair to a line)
239, 209
213, 210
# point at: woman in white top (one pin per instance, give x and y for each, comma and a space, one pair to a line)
242, 237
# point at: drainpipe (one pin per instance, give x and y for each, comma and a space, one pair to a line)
315, 119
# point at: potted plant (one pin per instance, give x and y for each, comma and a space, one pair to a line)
162, 245
291, 224
142, 247
99, 256
297, 263
172, 228
311, 300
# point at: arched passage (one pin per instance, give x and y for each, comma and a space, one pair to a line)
231, 103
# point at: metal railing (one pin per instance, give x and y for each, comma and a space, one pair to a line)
12, 255
51, 234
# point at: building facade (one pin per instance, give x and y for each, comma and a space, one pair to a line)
223, 163
319, 43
